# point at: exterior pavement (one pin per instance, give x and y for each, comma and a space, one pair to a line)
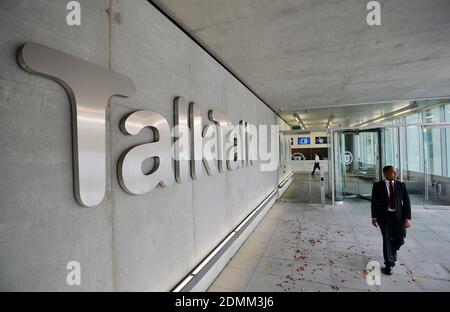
300, 247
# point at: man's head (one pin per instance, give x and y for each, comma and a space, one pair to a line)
389, 173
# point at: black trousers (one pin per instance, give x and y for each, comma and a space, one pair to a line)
394, 234
316, 166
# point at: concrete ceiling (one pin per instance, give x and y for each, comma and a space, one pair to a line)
298, 54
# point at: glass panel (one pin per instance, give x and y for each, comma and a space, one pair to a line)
339, 166
368, 170
390, 147
437, 185
350, 157
412, 171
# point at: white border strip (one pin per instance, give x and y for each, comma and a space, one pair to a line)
221, 246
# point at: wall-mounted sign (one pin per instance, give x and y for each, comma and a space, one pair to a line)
304, 140
348, 158
321, 140
214, 148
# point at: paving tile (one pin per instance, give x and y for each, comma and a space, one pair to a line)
261, 282
439, 228
418, 226
372, 250
413, 244
233, 279
285, 238
434, 285
252, 247
349, 278
368, 230
219, 289
352, 261
312, 271
348, 247
370, 240
436, 246
312, 254
260, 237
444, 235
244, 261
427, 269
283, 251
269, 222
307, 286
312, 243
275, 266
422, 235
344, 289
267, 228
408, 254
399, 283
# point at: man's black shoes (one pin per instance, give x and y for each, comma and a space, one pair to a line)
387, 270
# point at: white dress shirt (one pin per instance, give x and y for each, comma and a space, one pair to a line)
387, 187
317, 159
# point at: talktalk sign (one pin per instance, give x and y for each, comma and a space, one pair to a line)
186, 150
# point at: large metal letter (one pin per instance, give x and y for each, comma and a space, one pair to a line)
182, 140
210, 149
195, 124
89, 87
131, 177
243, 135
233, 145
221, 120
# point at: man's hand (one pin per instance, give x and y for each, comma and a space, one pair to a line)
408, 223
375, 222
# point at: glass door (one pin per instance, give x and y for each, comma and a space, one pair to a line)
357, 163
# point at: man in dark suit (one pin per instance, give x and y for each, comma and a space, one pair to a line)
391, 211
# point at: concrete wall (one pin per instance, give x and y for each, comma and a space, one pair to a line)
127, 243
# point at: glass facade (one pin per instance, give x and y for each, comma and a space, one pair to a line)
417, 144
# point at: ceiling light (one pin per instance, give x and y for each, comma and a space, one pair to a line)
378, 120
400, 113
299, 121
330, 122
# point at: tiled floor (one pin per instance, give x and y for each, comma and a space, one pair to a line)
300, 247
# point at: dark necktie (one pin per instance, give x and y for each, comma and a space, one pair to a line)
391, 195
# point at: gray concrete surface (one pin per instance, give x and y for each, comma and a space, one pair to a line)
127, 243
299, 247
304, 54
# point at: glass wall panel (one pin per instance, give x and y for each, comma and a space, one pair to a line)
447, 138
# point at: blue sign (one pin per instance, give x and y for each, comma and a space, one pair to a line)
304, 141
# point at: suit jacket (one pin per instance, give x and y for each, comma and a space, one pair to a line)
380, 200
